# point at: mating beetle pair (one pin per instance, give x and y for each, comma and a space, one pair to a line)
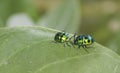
80, 41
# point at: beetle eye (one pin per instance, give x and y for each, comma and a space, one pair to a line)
88, 41
85, 37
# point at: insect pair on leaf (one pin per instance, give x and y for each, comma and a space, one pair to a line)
76, 40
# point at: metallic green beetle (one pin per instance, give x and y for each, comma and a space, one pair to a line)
62, 37
83, 40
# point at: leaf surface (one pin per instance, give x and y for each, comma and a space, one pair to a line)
32, 50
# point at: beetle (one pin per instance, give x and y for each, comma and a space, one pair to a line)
82, 40
62, 37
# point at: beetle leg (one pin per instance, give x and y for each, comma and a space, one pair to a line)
79, 46
70, 38
88, 46
84, 47
74, 37
64, 44
68, 44
72, 43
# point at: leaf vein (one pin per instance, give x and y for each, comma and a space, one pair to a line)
67, 59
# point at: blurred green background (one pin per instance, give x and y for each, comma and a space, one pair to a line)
100, 18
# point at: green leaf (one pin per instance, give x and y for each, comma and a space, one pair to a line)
114, 44
64, 17
31, 50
